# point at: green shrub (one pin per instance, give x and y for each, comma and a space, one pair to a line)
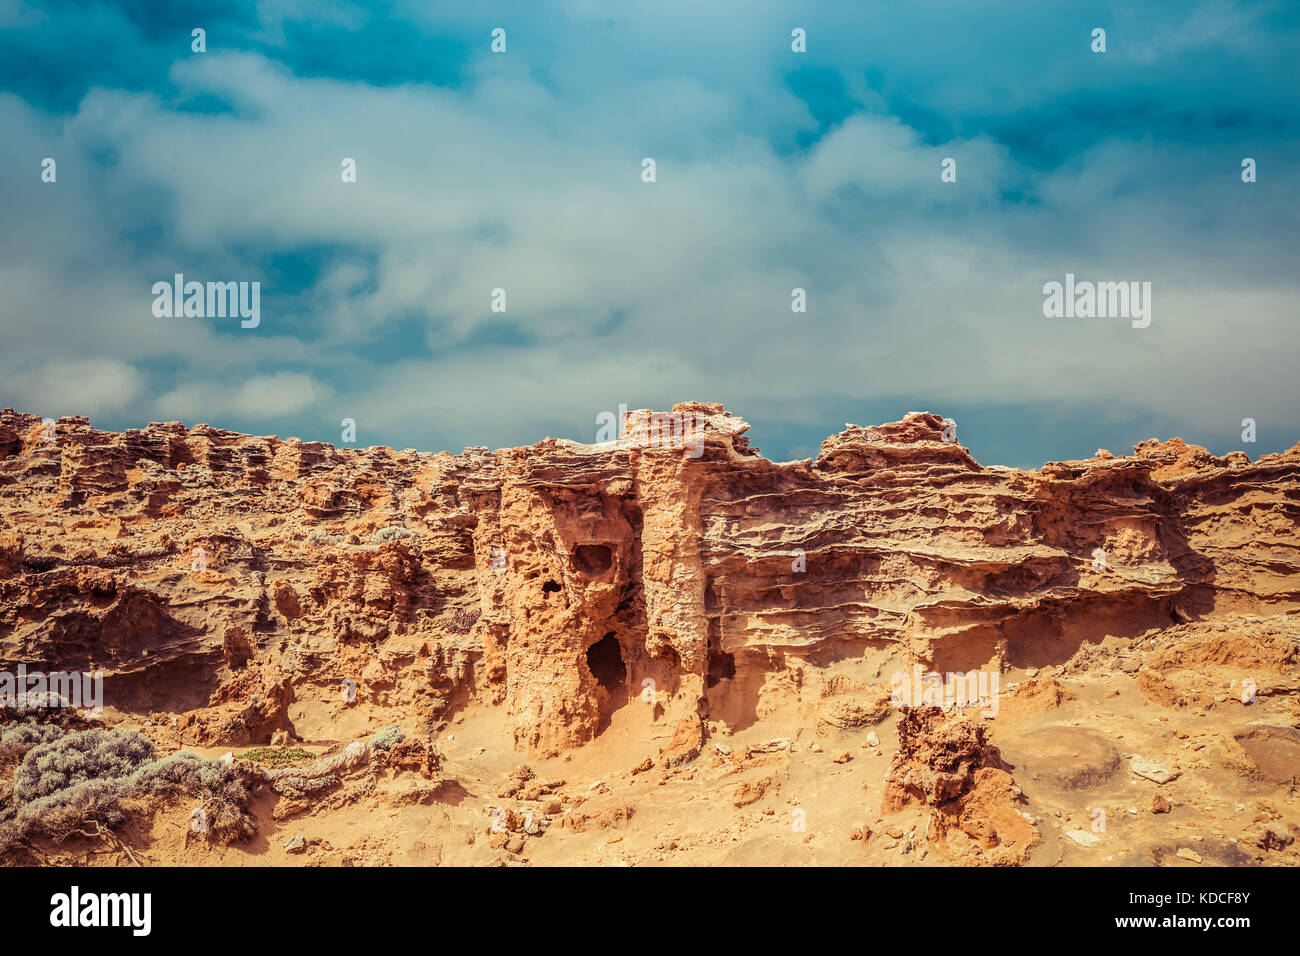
67, 811
222, 790
277, 756
80, 757
17, 739
388, 738
64, 785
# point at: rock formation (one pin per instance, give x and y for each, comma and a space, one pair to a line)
561, 580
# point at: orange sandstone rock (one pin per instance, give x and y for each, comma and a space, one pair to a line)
563, 581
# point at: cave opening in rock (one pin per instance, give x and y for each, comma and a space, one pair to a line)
550, 587
592, 559
722, 666
605, 659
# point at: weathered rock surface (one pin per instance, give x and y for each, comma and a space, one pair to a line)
199, 567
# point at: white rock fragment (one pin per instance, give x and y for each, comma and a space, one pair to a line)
1152, 770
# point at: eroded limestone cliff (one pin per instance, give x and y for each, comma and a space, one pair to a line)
218, 576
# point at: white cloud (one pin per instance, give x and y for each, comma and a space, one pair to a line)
76, 386
262, 398
644, 293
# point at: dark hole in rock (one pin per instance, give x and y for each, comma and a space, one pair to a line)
722, 666
605, 659
550, 587
593, 559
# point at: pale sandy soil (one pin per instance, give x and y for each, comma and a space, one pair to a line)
1070, 760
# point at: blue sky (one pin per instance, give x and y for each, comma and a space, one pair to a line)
775, 170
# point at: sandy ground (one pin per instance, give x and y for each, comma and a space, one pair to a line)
816, 802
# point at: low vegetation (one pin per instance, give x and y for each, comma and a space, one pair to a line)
63, 784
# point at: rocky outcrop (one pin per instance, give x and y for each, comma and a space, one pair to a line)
950, 768
937, 759
561, 581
